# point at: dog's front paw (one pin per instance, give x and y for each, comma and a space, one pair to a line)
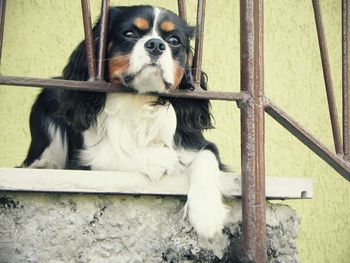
208, 220
44, 164
159, 161
207, 216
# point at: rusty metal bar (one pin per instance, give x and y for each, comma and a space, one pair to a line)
198, 50
327, 77
89, 41
252, 131
335, 161
103, 40
181, 4
2, 24
99, 86
345, 78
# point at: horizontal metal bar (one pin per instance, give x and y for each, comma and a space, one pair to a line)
335, 161
101, 86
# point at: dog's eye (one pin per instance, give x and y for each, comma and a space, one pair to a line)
129, 34
174, 41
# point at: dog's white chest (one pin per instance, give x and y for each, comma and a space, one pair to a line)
127, 125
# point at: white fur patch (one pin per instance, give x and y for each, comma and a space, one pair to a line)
149, 79
206, 211
132, 134
157, 12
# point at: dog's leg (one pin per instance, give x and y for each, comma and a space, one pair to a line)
54, 154
206, 211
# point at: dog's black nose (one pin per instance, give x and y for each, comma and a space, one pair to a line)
155, 46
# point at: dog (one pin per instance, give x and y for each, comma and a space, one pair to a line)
148, 50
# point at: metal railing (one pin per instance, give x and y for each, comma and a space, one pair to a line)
251, 101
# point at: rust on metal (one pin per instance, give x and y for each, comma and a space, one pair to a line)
310, 141
252, 131
198, 49
89, 41
327, 77
2, 24
181, 4
345, 79
102, 86
103, 40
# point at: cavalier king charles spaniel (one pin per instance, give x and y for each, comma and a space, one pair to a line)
148, 50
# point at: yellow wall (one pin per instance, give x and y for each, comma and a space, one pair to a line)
40, 34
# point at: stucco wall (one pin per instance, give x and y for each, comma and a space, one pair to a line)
40, 35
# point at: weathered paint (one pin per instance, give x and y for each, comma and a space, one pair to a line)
293, 79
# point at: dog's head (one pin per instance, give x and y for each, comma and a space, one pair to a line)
148, 49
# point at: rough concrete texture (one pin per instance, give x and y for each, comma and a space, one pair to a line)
105, 228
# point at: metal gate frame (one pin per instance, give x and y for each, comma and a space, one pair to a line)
251, 101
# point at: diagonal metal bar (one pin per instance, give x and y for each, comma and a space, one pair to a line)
102, 86
89, 41
198, 50
2, 24
335, 161
103, 40
345, 84
252, 131
327, 77
181, 4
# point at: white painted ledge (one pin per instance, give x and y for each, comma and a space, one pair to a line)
72, 181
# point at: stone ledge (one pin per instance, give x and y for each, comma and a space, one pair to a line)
48, 227
72, 181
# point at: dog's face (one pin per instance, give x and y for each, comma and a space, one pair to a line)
148, 48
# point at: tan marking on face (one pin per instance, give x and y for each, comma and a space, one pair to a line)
167, 26
179, 73
118, 65
141, 23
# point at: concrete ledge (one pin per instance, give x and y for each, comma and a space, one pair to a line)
72, 228
72, 181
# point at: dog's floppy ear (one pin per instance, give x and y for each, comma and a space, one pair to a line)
193, 114
80, 108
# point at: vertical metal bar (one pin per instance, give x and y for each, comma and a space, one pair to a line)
182, 9
327, 77
103, 40
2, 24
252, 131
89, 41
345, 84
198, 51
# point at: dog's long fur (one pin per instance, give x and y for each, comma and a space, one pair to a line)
148, 134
